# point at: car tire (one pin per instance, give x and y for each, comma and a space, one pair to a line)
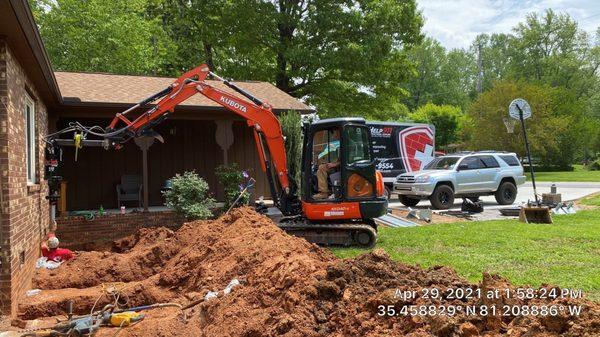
408, 201
442, 197
388, 193
506, 193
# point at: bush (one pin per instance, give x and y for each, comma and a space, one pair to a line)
233, 181
291, 127
595, 165
189, 196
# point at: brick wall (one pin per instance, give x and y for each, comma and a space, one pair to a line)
24, 212
76, 232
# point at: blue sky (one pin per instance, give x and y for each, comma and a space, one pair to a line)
455, 23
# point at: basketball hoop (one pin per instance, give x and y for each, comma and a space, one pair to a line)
509, 123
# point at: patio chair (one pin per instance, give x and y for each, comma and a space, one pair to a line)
130, 189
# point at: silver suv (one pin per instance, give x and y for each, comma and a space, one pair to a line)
466, 175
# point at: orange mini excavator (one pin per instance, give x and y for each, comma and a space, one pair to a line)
341, 190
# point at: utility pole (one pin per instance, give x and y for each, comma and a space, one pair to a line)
479, 69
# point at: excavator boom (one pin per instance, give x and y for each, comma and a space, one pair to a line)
258, 115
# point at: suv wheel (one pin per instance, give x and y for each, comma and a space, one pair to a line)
388, 193
408, 201
506, 193
442, 197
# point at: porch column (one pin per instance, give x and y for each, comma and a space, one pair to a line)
224, 137
144, 142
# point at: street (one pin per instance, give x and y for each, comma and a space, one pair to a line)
569, 190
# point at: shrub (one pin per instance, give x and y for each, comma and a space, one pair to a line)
291, 127
233, 181
595, 165
189, 196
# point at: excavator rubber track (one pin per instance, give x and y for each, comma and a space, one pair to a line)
359, 234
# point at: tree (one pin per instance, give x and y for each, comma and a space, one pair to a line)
439, 77
445, 118
291, 126
427, 59
107, 36
344, 56
556, 129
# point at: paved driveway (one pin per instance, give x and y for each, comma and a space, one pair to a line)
569, 191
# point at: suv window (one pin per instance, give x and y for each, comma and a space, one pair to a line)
473, 163
442, 163
510, 160
489, 161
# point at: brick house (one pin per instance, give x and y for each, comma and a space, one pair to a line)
35, 101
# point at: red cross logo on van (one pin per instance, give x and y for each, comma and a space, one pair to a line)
416, 147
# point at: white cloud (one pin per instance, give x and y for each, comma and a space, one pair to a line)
456, 23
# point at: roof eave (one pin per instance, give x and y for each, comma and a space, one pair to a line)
116, 105
34, 40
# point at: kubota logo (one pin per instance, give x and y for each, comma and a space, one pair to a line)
233, 104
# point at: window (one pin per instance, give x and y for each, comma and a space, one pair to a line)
357, 144
442, 163
510, 160
472, 163
489, 161
326, 146
30, 140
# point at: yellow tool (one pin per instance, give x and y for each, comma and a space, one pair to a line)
125, 318
77, 142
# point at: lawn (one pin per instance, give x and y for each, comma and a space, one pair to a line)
578, 174
566, 253
591, 200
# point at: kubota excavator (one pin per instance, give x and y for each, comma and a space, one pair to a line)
355, 190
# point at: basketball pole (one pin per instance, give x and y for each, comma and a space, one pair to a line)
528, 153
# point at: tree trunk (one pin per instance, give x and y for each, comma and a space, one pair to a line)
286, 33
209, 55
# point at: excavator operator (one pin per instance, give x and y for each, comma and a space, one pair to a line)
329, 163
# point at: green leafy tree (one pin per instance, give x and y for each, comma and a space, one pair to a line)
551, 49
445, 118
106, 36
346, 57
291, 126
189, 196
556, 129
439, 76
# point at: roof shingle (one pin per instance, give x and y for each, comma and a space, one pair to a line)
127, 89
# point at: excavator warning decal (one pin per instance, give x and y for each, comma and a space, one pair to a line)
416, 147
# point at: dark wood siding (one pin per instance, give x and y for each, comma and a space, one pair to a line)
189, 145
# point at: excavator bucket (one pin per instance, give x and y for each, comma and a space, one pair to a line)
535, 214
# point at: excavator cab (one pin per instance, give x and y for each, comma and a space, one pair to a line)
338, 170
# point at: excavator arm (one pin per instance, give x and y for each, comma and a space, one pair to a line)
258, 115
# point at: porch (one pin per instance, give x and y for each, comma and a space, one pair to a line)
189, 144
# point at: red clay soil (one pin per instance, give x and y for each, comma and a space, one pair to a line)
289, 288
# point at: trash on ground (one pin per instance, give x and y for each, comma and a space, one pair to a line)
43, 262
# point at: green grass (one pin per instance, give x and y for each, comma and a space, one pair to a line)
591, 200
566, 253
578, 174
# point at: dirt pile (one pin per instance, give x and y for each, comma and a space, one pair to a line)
288, 287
